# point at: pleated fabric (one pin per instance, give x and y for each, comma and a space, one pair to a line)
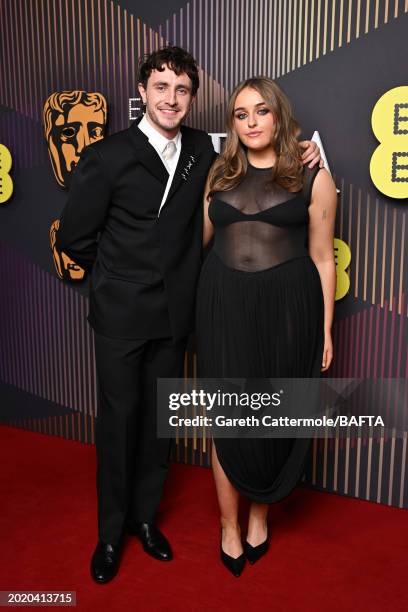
262, 324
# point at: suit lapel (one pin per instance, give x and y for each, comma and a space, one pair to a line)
147, 154
188, 158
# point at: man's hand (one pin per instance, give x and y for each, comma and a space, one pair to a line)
311, 154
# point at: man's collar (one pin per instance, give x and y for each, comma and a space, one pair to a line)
147, 155
155, 138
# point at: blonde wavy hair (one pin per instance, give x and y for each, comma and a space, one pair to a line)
231, 165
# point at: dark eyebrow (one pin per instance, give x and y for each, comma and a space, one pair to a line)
166, 84
243, 108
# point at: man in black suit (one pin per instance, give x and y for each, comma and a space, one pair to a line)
134, 218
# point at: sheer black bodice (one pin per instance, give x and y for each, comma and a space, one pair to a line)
258, 224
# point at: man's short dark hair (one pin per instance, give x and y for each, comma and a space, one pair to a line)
175, 58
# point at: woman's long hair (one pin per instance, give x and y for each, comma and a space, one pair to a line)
231, 165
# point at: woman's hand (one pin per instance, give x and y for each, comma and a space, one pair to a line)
327, 352
311, 154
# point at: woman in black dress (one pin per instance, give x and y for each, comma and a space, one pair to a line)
266, 294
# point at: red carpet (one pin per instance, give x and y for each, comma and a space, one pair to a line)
327, 552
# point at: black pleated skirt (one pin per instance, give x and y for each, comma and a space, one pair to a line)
262, 324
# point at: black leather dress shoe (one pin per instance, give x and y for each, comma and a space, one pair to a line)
105, 562
154, 542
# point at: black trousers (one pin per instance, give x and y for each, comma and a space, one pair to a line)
132, 462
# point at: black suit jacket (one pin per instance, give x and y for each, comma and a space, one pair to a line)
144, 267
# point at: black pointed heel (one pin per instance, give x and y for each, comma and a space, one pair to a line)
254, 553
235, 566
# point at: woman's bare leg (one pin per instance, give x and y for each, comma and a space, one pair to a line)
257, 523
228, 498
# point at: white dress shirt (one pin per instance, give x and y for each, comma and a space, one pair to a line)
159, 142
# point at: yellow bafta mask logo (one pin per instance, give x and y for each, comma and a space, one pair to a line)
72, 121
66, 268
389, 162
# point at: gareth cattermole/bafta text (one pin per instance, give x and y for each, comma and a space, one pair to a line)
269, 421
